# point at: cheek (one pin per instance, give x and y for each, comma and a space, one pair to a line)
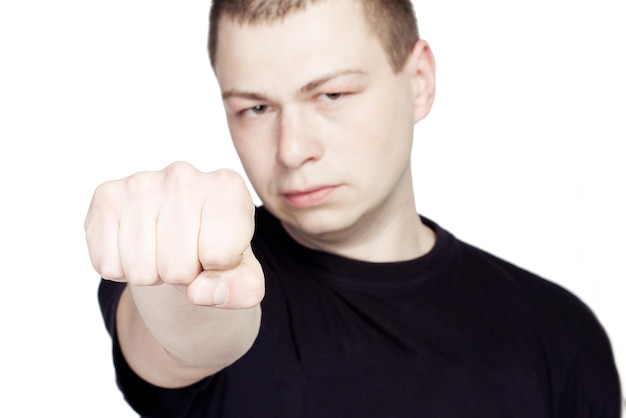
251, 138
396, 128
254, 155
382, 138
382, 129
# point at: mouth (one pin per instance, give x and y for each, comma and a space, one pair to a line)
309, 198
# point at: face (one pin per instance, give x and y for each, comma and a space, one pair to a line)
321, 123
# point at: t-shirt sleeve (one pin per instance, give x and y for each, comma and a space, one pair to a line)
591, 387
146, 399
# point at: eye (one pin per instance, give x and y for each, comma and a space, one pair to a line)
258, 109
333, 96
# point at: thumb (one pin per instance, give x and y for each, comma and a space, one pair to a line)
240, 287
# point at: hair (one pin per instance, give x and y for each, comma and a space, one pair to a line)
393, 22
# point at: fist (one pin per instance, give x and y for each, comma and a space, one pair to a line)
181, 227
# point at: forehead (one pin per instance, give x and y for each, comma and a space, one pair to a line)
325, 37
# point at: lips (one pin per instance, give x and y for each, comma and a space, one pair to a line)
312, 197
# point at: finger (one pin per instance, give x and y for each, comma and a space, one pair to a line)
239, 288
177, 236
227, 222
101, 231
137, 239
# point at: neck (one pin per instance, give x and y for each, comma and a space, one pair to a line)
391, 232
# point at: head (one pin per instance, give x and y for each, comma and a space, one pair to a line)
392, 21
321, 110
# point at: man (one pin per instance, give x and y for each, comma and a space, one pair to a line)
334, 299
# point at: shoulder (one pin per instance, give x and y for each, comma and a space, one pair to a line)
542, 294
548, 304
551, 325
560, 326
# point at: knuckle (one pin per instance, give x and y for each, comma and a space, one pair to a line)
177, 274
140, 276
226, 179
142, 280
109, 271
179, 166
232, 191
180, 171
141, 182
219, 259
257, 293
252, 293
104, 197
226, 174
106, 190
182, 179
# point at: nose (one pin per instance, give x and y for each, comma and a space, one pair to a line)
298, 141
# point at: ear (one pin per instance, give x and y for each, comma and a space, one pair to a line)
420, 68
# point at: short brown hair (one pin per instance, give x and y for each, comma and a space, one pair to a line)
392, 21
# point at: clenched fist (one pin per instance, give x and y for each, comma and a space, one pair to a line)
178, 226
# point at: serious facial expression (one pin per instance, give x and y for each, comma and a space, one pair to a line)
322, 124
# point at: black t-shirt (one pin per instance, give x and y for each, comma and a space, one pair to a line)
455, 333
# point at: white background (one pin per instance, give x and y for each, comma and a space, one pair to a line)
522, 155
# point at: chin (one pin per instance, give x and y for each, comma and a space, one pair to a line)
325, 224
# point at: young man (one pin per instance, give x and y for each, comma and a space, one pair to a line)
334, 299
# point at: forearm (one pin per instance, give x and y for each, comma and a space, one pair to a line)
172, 343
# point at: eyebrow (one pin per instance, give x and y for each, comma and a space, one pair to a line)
325, 79
308, 87
244, 95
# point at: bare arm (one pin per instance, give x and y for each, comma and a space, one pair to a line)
181, 240
200, 340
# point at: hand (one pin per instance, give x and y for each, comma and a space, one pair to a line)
181, 227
